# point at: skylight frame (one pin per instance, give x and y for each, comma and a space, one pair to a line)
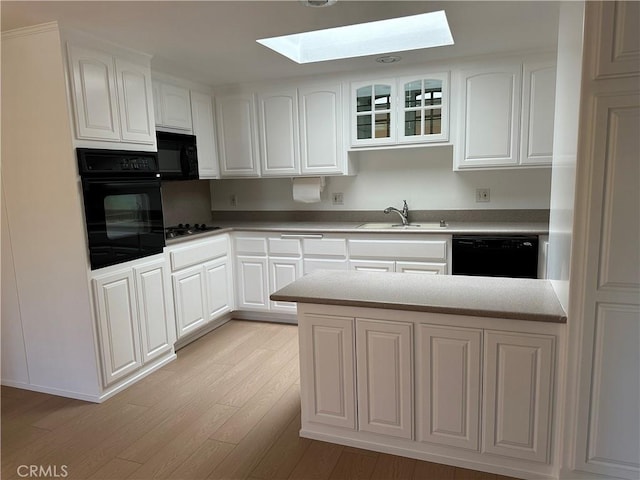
372, 38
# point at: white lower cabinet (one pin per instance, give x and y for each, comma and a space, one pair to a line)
202, 282
134, 316
384, 377
518, 380
373, 265
448, 390
282, 272
252, 283
431, 386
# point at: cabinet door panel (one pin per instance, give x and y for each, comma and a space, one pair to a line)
372, 265
252, 283
448, 386
321, 140
328, 367
279, 142
190, 299
176, 107
94, 91
429, 268
538, 110
384, 374
203, 129
134, 98
518, 376
237, 136
117, 325
218, 283
154, 305
284, 271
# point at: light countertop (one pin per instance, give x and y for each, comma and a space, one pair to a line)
511, 298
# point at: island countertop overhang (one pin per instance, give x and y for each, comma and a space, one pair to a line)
495, 297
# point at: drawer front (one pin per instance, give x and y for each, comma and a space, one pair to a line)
198, 252
285, 247
245, 245
399, 249
325, 247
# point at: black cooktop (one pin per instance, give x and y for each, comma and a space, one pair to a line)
181, 229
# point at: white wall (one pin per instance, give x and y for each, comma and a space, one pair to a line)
422, 176
565, 146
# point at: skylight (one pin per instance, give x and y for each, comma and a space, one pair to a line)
394, 35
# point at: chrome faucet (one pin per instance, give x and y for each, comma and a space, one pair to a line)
404, 213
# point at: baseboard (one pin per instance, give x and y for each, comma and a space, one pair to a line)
265, 316
53, 391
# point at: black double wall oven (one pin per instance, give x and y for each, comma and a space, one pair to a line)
122, 205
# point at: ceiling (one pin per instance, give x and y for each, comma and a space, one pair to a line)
214, 42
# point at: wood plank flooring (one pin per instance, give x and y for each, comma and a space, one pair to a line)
227, 408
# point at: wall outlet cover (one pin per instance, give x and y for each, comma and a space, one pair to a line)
483, 195
338, 198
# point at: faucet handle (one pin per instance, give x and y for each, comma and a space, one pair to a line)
405, 207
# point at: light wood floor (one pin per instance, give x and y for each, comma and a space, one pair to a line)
227, 408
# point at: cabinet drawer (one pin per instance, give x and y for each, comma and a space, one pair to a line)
195, 253
246, 245
399, 249
325, 247
285, 247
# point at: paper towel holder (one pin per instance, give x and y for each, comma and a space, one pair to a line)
322, 181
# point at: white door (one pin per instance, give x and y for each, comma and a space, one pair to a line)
176, 106
538, 110
94, 94
321, 137
118, 329
204, 130
423, 108
237, 136
155, 309
518, 385
448, 386
135, 99
489, 116
384, 376
190, 299
282, 272
328, 367
218, 286
372, 265
430, 268
279, 134
373, 113
252, 283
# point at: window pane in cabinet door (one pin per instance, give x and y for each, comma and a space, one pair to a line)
413, 123
413, 94
383, 97
363, 99
364, 126
433, 121
432, 92
383, 125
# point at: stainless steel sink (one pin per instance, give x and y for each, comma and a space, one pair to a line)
399, 226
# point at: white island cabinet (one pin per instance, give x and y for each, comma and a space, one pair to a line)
402, 364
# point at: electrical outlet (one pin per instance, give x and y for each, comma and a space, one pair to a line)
233, 200
338, 198
483, 195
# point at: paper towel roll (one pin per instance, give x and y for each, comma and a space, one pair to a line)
307, 189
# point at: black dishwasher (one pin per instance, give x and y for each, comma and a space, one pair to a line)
495, 255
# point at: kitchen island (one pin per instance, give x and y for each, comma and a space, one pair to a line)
449, 369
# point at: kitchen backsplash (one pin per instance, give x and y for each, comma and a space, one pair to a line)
186, 202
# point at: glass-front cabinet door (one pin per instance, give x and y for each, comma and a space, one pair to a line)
424, 109
373, 106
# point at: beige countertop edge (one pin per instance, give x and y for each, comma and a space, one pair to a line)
527, 316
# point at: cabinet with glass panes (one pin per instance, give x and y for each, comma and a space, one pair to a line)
404, 110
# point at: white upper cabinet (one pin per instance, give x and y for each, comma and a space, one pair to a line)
489, 114
505, 115
278, 129
237, 136
173, 106
112, 97
204, 130
321, 139
373, 113
94, 92
424, 108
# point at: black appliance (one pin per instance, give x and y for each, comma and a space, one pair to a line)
183, 229
122, 205
177, 156
495, 256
